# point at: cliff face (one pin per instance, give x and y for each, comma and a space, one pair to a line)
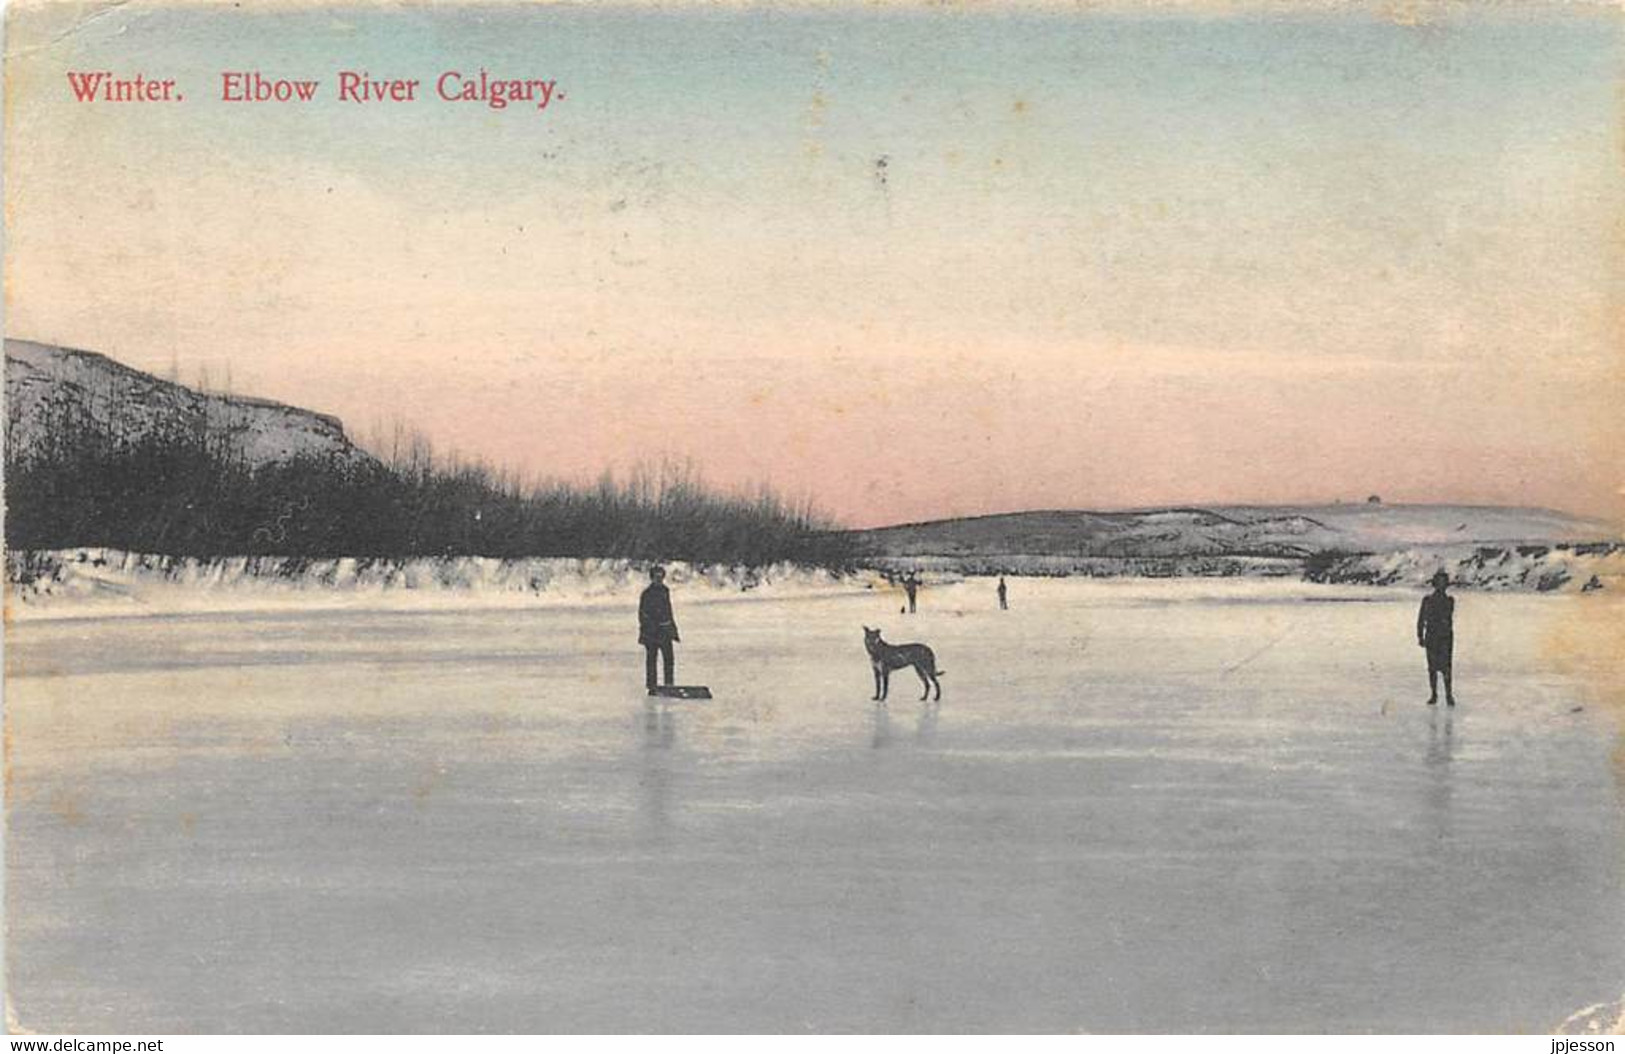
47, 384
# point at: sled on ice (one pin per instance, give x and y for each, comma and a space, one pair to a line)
681, 691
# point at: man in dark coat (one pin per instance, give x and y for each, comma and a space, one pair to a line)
1435, 631
657, 629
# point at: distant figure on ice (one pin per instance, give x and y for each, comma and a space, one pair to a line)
1435, 631
1004, 595
657, 629
911, 586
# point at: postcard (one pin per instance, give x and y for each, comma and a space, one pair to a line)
830, 517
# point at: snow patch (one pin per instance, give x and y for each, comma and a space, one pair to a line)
93, 582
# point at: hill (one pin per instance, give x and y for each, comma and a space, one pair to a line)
1282, 532
1490, 547
53, 392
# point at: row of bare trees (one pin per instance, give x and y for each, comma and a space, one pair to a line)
184, 489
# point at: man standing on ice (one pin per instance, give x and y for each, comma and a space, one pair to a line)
657, 628
1435, 631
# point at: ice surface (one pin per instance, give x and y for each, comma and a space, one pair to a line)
1214, 805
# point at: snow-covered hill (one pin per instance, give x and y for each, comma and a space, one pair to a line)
1281, 532
48, 385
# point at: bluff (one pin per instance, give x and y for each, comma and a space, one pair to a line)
52, 392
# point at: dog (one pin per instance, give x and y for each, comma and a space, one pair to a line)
888, 657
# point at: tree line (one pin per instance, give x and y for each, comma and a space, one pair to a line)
184, 489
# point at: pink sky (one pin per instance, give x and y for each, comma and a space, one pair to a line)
1106, 261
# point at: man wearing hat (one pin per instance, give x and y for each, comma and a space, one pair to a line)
657, 629
1435, 631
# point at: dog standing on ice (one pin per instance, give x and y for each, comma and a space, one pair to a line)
888, 657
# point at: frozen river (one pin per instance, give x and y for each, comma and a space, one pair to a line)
1139, 806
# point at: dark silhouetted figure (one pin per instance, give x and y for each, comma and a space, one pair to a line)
657, 629
1004, 595
911, 586
1435, 631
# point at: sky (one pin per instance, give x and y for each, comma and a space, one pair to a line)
906, 261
